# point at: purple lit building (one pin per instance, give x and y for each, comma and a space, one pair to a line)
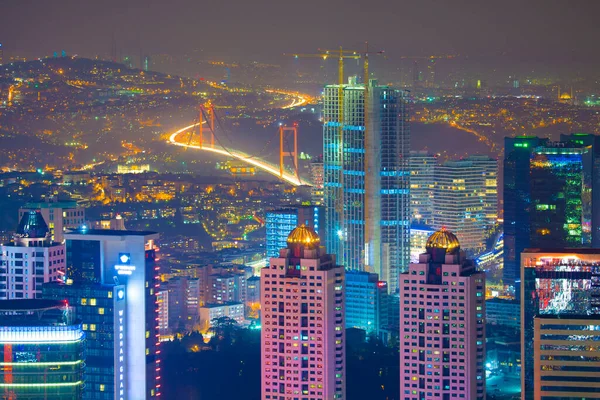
442, 324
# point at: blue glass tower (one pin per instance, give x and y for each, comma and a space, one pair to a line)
517, 160
280, 222
385, 248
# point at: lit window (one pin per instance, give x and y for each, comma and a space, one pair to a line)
101, 311
84, 302
102, 387
93, 302
93, 327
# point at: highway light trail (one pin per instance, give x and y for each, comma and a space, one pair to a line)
247, 158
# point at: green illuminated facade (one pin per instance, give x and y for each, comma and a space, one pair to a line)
558, 191
42, 351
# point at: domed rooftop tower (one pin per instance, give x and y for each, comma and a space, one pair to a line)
303, 238
443, 239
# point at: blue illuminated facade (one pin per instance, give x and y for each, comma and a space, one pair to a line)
280, 222
386, 191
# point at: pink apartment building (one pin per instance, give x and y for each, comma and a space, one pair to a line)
303, 338
442, 324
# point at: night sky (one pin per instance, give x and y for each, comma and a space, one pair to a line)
561, 31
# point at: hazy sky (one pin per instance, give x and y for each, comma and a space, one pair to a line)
561, 30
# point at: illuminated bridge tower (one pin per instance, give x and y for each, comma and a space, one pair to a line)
385, 187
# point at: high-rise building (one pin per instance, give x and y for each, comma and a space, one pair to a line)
419, 235
557, 215
303, 330
503, 312
101, 308
31, 259
591, 180
316, 174
1, 54
366, 184
42, 348
209, 312
121, 257
560, 309
366, 301
59, 215
422, 170
442, 324
280, 222
466, 199
517, 160
566, 369
162, 301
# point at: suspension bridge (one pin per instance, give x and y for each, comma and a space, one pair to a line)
183, 138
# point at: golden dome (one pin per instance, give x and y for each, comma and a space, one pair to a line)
443, 239
565, 96
305, 236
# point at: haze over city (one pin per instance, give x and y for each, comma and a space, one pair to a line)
313, 200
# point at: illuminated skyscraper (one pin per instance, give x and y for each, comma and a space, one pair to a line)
117, 257
442, 334
316, 175
422, 170
31, 259
280, 222
101, 308
366, 301
466, 199
303, 331
378, 200
517, 159
560, 320
558, 192
42, 348
551, 195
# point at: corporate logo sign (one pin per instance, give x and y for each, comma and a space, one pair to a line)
124, 266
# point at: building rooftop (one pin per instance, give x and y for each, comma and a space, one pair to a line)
50, 204
443, 239
31, 305
305, 236
564, 250
109, 232
32, 226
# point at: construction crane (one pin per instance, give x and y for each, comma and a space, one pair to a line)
341, 55
447, 56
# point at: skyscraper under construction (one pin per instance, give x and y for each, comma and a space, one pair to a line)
366, 182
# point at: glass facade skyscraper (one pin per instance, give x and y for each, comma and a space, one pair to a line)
563, 285
422, 170
280, 222
382, 185
466, 199
99, 307
104, 258
517, 158
557, 214
42, 349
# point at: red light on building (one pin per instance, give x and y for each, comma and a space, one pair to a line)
381, 284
